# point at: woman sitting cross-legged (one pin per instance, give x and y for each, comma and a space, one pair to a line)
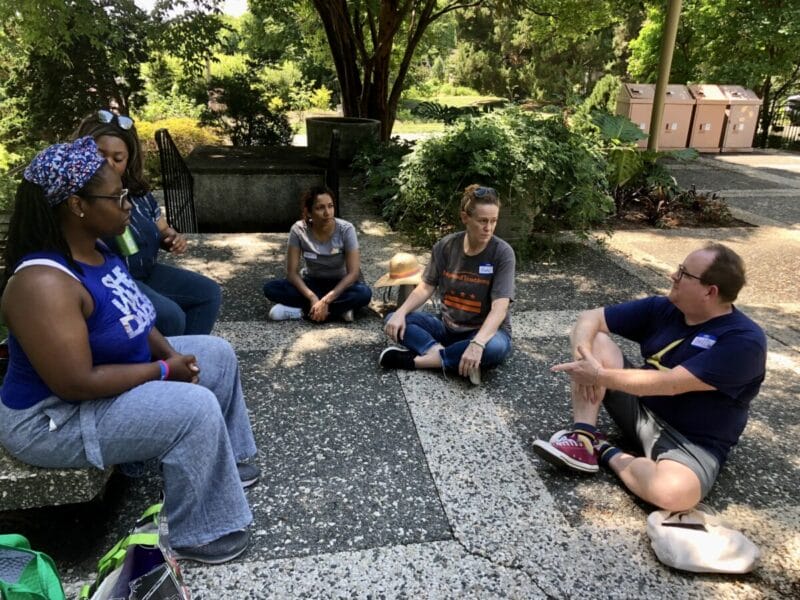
330, 284
91, 381
474, 272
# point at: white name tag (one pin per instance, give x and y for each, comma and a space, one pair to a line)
310, 255
486, 269
704, 340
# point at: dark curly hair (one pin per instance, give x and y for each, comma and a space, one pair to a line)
309, 196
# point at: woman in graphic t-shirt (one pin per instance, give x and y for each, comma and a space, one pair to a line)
330, 284
474, 273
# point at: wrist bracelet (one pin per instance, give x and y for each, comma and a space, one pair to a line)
162, 364
477, 343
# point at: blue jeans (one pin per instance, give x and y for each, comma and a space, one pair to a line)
424, 330
186, 302
196, 432
281, 291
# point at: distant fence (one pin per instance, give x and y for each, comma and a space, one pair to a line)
784, 131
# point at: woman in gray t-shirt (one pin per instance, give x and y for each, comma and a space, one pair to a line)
329, 284
473, 271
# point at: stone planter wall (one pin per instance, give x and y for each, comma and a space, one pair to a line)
353, 133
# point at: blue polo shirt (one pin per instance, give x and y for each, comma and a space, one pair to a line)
728, 352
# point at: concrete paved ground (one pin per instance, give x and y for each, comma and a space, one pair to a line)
385, 484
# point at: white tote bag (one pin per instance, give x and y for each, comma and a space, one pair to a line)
697, 540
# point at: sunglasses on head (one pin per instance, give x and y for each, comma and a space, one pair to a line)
485, 191
106, 116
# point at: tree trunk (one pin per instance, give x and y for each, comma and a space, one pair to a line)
766, 112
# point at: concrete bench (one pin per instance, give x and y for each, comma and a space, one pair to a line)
24, 486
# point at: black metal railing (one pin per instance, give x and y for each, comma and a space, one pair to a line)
178, 185
784, 129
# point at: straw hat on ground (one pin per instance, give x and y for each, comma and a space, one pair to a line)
404, 269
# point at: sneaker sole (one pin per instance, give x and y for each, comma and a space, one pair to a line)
557, 458
246, 483
210, 561
385, 350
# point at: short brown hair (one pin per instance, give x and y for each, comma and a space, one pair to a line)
478, 194
726, 271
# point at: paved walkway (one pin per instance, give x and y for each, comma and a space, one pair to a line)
386, 484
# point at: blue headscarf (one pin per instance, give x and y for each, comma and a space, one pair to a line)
63, 169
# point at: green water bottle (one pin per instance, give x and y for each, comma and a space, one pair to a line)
126, 243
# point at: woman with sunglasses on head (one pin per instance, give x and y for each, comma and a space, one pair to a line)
330, 284
474, 273
186, 302
91, 382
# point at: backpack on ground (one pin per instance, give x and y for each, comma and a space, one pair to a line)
26, 574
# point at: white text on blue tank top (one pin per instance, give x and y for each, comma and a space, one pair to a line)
137, 309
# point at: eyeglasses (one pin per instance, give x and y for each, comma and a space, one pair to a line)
119, 198
682, 272
485, 191
106, 116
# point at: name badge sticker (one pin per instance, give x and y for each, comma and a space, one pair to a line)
486, 269
704, 340
335, 251
310, 255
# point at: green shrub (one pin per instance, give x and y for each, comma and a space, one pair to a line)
378, 164
240, 111
185, 132
11, 166
548, 177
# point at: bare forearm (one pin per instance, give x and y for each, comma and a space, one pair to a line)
301, 287
107, 381
650, 382
337, 291
160, 348
493, 322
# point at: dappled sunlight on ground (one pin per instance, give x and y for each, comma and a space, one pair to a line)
317, 341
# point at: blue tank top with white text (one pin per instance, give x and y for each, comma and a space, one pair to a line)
119, 325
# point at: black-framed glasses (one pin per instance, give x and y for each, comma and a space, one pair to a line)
106, 116
119, 198
682, 272
480, 192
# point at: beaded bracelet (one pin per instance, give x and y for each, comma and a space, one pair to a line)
162, 364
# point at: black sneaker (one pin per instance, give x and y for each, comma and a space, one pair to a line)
248, 473
221, 550
396, 357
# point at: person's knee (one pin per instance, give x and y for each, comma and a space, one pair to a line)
363, 294
674, 489
497, 350
170, 320
607, 352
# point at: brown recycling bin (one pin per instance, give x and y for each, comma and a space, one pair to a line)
741, 119
709, 117
635, 101
678, 109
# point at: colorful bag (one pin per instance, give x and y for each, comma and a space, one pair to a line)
26, 574
140, 566
698, 540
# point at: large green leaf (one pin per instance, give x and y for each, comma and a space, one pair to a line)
617, 128
623, 165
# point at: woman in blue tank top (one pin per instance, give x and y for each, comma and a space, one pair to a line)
91, 381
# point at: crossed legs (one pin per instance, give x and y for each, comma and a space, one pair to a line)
665, 482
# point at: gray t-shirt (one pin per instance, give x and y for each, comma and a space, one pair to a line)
324, 260
469, 284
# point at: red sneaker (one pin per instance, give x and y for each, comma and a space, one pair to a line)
568, 449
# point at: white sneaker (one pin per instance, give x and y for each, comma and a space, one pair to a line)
348, 317
279, 312
475, 376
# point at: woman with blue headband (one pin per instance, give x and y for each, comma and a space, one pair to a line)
91, 381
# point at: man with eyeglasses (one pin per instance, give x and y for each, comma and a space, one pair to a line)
687, 405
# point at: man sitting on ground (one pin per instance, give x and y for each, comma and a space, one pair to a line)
687, 405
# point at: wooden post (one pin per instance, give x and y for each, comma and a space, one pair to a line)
664, 68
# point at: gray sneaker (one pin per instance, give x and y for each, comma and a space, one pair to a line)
221, 550
248, 473
280, 312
